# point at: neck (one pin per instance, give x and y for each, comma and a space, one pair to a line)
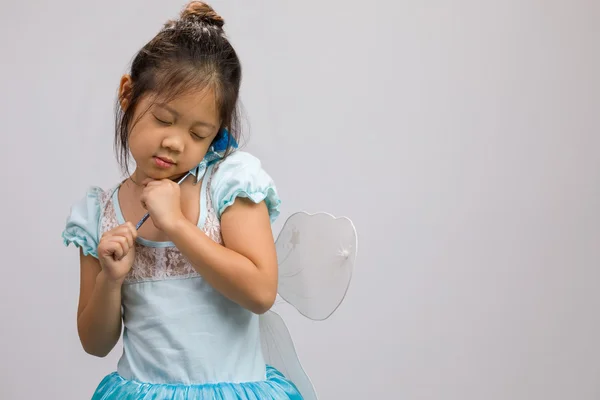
136, 179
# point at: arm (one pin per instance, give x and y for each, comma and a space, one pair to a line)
245, 268
104, 263
99, 310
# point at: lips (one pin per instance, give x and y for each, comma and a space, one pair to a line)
163, 162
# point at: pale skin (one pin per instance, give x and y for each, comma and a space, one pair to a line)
244, 269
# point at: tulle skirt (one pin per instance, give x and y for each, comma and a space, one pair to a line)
275, 387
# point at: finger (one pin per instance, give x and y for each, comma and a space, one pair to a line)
124, 231
148, 190
114, 248
153, 183
127, 230
171, 183
128, 237
124, 241
147, 181
132, 230
144, 198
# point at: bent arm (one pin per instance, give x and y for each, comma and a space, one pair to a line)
245, 268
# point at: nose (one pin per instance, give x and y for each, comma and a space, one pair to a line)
173, 142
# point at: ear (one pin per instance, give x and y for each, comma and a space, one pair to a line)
125, 91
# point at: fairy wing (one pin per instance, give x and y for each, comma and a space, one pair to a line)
316, 255
279, 351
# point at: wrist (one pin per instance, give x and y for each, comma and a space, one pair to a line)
110, 284
175, 225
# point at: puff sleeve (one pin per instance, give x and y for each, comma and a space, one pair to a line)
81, 228
241, 175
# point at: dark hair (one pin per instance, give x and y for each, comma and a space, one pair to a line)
189, 53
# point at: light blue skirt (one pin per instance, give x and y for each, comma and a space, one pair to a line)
275, 387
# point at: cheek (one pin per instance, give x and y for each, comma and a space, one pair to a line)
195, 151
140, 138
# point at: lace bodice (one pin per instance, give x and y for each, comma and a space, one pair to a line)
160, 261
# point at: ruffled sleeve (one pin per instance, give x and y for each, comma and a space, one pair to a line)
82, 223
241, 175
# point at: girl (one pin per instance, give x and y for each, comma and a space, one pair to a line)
189, 285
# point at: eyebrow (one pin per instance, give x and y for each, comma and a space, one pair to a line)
176, 114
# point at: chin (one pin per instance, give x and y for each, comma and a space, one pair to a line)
164, 174
167, 174
156, 173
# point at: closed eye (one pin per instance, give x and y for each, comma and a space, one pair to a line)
196, 136
161, 121
166, 123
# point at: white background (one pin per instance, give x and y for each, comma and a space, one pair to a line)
461, 137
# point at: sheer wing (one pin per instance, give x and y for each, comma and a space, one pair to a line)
316, 255
279, 351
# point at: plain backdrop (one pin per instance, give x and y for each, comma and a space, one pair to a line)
461, 137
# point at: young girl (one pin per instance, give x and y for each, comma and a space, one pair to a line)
189, 285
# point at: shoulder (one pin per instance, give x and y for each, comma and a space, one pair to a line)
92, 200
239, 159
241, 174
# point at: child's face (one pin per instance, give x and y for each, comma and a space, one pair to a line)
172, 138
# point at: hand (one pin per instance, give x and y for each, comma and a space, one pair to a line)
116, 251
162, 199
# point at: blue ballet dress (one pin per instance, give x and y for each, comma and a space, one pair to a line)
182, 339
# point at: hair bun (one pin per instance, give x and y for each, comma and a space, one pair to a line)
203, 13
